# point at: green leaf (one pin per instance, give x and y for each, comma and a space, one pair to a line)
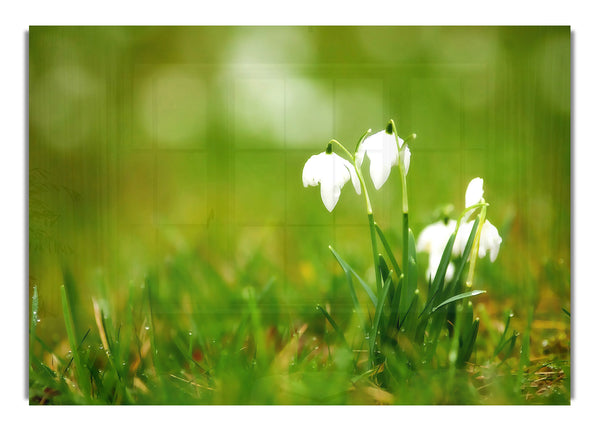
336, 328
467, 348
377, 317
388, 249
410, 283
349, 270
383, 268
457, 298
440, 274
82, 377
502, 343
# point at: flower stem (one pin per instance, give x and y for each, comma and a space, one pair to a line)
372, 231
475, 248
402, 173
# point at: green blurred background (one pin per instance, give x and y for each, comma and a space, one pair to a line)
179, 152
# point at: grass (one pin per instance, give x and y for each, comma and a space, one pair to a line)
246, 346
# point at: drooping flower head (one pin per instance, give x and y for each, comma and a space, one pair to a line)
382, 151
489, 240
332, 172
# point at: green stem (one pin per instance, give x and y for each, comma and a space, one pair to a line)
475, 249
363, 187
375, 254
402, 173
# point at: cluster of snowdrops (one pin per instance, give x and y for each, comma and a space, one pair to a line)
452, 245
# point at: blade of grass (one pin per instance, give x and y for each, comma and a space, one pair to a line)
436, 286
457, 298
466, 349
348, 271
388, 249
438, 279
500, 344
336, 328
383, 268
82, 375
410, 284
377, 317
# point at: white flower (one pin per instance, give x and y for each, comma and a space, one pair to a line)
332, 172
433, 240
382, 151
489, 241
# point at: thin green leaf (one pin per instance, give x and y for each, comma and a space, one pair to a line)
336, 328
388, 249
440, 274
82, 377
383, 268
349, 270
457, 298
501, 343
467, 347
461, 265
411, 276
377, 317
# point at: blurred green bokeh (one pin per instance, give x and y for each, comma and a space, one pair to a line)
152, 143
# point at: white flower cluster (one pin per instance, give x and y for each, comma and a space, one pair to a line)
385, 150
333, 171
434, 237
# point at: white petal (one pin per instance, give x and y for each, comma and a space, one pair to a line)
330, 194
311, 174
379, 171
382, 151
353, 176
434, 237
490, 240
332, 172
474, 192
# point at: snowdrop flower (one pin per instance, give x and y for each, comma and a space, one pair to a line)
332, 172
382, 150
489, 241
433, 240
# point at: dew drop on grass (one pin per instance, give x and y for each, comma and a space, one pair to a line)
147, 328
